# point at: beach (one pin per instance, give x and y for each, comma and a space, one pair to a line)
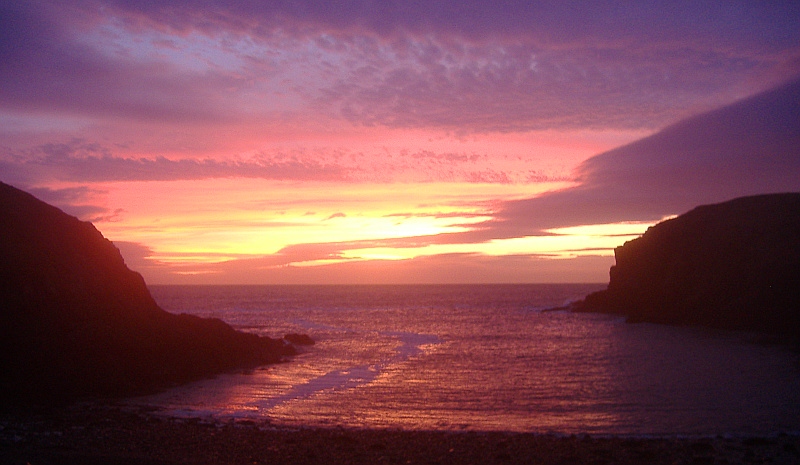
116, 435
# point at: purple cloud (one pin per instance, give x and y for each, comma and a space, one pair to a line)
466, 66
46, 67
80, 161
559, 22
512, 65
750, 147
76, 201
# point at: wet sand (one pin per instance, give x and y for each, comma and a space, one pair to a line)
115, 436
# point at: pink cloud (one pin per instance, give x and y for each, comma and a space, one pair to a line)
80, 160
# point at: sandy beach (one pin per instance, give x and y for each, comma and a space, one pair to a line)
115, 436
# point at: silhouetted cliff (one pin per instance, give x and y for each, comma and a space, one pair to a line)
75, 321
733, 265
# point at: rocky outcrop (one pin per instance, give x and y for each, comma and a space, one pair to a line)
75, 321
734, 265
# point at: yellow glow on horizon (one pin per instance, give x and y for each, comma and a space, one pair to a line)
310, 263
195, 273
192, 227
221, 219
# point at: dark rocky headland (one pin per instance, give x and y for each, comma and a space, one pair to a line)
733, 265
76, 322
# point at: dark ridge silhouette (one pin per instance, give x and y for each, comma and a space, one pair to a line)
76, 322
733, 265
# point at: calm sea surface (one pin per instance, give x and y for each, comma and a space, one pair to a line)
484, 358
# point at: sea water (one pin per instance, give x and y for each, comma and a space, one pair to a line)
483, 357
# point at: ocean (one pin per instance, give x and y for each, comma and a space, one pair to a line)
483, 358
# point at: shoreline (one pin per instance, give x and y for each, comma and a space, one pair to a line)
114, 435
269, 423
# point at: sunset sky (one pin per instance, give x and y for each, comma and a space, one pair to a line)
393, 142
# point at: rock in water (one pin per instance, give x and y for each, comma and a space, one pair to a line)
76, 322
733, 265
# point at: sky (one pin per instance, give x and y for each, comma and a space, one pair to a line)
359, 141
